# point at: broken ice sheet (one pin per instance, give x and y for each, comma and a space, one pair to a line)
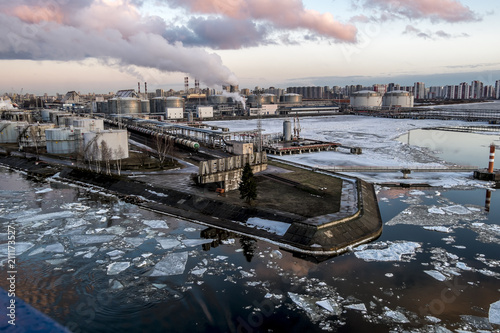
494, 313
437, 275
168, 243
196, 242
439, 229
357, 307
386, 251
91, 239
118, 267
396, 317
156, 224
331, 306
171, 264
308, 304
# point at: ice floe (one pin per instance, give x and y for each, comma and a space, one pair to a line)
439, 229
494, 313
396, 316
45, 190
171, 264
357, 307
168, 243
91, 239
386, 251
196, 242
156, 224
117, 267
437, 275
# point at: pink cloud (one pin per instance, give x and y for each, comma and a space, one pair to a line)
282, 14
435, 10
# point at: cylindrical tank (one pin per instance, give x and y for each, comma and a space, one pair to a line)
61, 140
102, 107
145, 106
66, 121
174, 102
366, 99
269, 99
128, 105
45, 115
89, 124
115, 140
9, 132
398, 98
158, 104
291, 98
113, 106
287, 130
218, 99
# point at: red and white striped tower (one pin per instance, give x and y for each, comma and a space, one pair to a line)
492, 158
138, 87
488, 200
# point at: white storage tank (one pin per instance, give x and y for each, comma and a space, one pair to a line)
291, 98
287, 130
366, 99
89, 124
128, 105
116, 141
9, 132
269, 99
63, 140
45, 113
33, 135
398, 98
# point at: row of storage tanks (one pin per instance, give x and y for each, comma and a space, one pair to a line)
372, 99
130, 105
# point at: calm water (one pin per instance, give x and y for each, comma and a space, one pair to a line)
86, 258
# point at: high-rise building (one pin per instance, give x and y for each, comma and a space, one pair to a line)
419, 90
497, 89
160, 93
476, 90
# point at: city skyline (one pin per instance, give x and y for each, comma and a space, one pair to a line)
103, 45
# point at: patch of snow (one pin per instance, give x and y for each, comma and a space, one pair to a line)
275, 227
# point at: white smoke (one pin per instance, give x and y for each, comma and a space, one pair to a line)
236, 97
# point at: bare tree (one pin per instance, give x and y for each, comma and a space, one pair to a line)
36, 137
106, 155
162, 148
95, 152
119, 154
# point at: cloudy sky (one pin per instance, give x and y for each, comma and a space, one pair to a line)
105, 45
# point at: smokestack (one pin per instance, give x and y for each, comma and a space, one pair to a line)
146, 89
196, 86
138, 87
492, 158
186, 85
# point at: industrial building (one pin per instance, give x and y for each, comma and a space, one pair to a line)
398, 99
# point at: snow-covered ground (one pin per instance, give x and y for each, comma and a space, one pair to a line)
377, 138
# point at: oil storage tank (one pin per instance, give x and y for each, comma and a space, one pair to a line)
9, 132
124, 105
145, 106
217, 99
63, 140
158, 104
366, 99
89, 124
287, 130
174, 102
291, 99
269, 99
398, 99
116, 142
45, 113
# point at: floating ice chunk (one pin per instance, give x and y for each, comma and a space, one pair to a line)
171, 264
156, 224
91, 239
330, 305
57, 248
229, 241
159, 285
37, 251
436, 210
219, 258
276, 254
115, 230
389, 275
118, 267
189, 229
23, 213
416, 192
494, 313
393, 252
157, 194
75, 206
479, 323
196, 242
307, 304
102, 211
134, 241
245, 274
474, 209
56, 262
463, 266
20, 247
199, 272
440, 229
48, 216
114, 284
432, 319
457, 209
115, 253
487, 272
275, 227
437, 275
115, 217
357, 307
168, 243
396, 317
45, 190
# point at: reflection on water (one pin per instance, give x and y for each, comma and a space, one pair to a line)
454, 147
238, 284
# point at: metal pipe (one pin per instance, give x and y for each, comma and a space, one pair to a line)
492, 158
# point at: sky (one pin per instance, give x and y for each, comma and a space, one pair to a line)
49, 46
